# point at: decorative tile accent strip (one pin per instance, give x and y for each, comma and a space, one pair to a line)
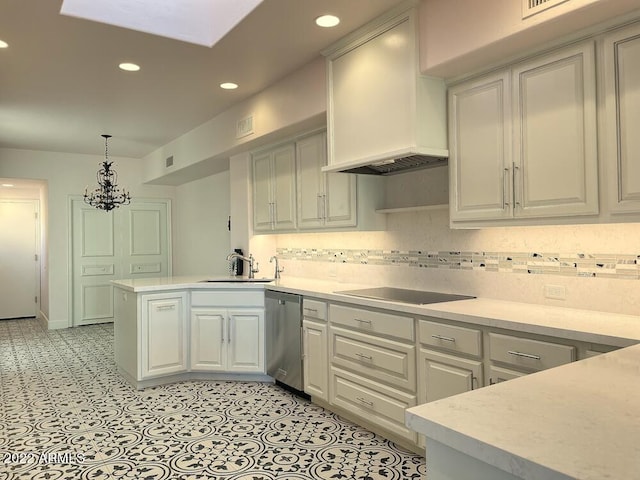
609, 265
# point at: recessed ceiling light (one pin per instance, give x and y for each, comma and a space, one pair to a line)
229, 86
3, 44
7, 185
327, 21
129, 67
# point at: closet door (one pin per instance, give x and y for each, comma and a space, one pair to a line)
132, 241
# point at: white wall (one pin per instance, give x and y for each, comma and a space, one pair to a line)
68, 174
289, 106
460, 36
201, 242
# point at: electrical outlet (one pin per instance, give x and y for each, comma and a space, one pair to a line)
557, 292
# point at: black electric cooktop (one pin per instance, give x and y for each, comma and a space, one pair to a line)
415, 297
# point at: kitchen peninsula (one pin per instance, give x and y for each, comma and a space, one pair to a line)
562, 403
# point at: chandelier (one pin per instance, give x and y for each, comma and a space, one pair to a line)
107, 196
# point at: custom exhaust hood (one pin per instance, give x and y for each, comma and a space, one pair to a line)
391, 166
383, 116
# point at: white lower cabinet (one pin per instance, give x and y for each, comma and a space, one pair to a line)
375, 403
225, 340
178, 335
315, 365
444, 375
373, 367
164, 348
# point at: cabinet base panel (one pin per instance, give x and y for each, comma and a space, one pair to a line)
188, 376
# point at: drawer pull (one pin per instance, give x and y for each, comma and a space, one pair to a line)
366, 402
363, 356
524, 355
443, 338
165, 307
315, 310
362, 321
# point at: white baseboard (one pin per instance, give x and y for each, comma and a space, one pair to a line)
55, 324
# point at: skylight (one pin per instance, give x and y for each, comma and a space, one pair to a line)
194, 21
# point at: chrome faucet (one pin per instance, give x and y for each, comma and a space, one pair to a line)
250, 260
278, 269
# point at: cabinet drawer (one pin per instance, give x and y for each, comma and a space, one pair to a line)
314, 309
529, 354
372, 322
227, 298
375, 403
385, 360
450, 337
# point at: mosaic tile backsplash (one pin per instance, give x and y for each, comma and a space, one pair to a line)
622, 266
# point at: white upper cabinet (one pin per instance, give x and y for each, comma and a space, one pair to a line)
480, 149
523, 141
274, 189
379, 106
324, 199
556, 137
622, 118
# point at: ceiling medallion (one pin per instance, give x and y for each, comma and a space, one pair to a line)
107, 196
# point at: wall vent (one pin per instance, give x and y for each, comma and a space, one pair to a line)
169, 161
531, 7
244, 127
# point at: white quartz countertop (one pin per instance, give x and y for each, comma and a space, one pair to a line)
577, 421
582, 325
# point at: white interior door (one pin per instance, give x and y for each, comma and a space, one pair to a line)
95, 263
129, 242
18, 260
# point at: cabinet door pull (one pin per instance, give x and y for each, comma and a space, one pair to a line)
516, 171
324, 206
319, 206
362, 400
362, 321
524, 355
363, 356
229, 330
443, 338
275, 215
165, 307
505, 188
222, 331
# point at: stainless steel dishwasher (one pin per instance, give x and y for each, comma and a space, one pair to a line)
284, 338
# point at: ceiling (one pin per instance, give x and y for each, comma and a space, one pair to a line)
60, 86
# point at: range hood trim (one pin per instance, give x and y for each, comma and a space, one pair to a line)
440, 155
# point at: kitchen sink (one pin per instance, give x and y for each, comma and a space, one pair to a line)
237, 280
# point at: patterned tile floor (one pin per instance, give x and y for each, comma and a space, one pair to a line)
66, 413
